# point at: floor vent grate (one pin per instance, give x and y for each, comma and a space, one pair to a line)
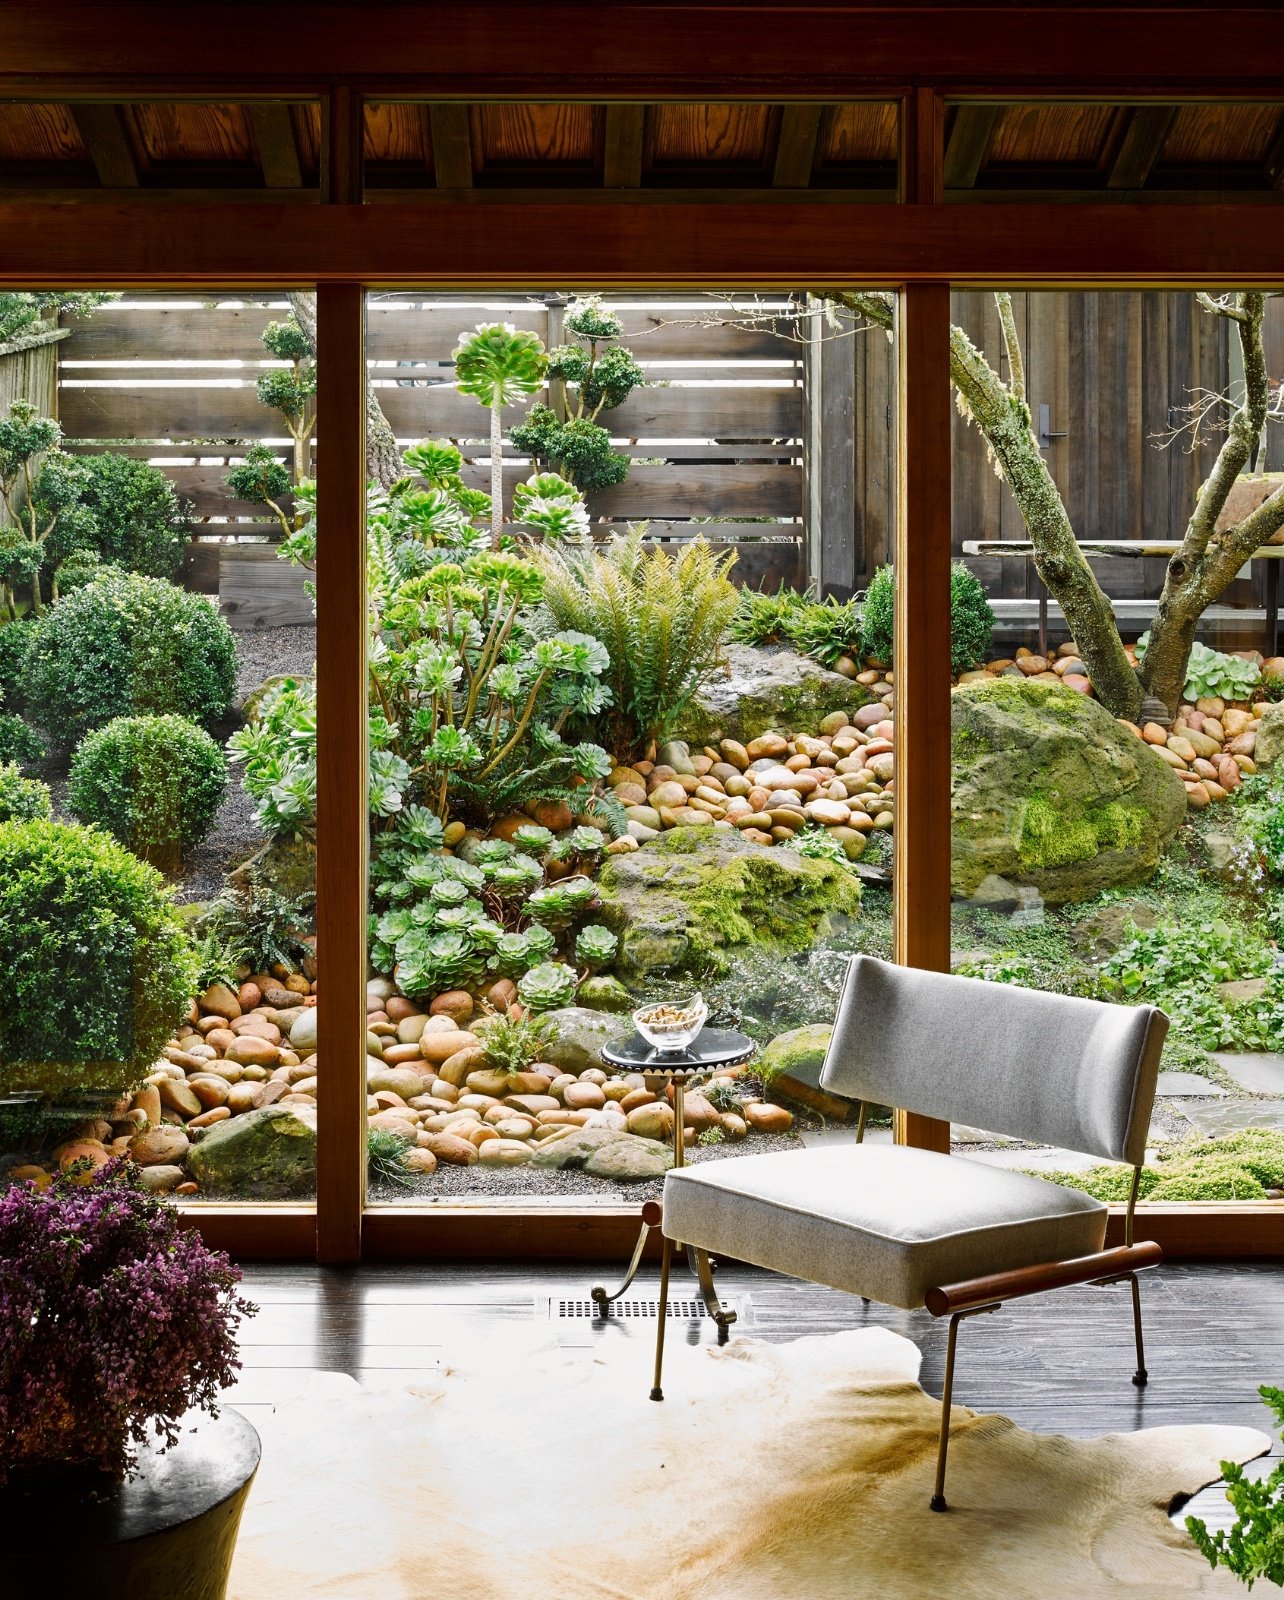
693, 1310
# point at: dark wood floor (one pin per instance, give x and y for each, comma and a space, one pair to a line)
1058, 1363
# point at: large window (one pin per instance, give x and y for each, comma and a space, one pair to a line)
622, 754
1116, 808
157, 791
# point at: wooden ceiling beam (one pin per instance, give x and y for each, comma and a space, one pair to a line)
343, 127
796, 145
971, 135
105, 133
810, 49
449, 241
278, 153
624, 143
1274, 165
1142, 144
450, 130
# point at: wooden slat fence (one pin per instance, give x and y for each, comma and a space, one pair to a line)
717, 434
29, 371
1114, 369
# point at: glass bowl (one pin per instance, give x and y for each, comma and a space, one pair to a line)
672, 1038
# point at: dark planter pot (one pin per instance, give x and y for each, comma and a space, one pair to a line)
166, 1534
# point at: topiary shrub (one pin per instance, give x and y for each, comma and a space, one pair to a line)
15, 645
95, 965
140, 522
971, 619
22, 799
18, 743
126, 646
156, 783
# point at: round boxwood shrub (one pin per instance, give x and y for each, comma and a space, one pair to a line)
22, 799
15, 643
140, 522
971, 619
19, 744
96, 968
156, 783
128, 646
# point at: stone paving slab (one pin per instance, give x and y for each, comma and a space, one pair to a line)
1187, 1085
827, 1138
1234, 1115
1258, 1071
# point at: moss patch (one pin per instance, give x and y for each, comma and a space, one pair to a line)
694, 897
1238, 1166
1052, 836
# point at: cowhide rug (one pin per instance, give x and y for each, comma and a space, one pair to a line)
772, 1472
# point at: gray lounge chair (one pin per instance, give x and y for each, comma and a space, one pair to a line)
910, 1227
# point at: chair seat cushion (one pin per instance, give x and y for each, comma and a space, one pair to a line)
884, 1221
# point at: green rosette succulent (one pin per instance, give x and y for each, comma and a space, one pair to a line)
595, 946
516, 877
548, 986
532, 838
557, 905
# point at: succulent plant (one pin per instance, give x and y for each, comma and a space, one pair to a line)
485, 853
587, 841
558, 904
548, 986
516, 876
595, 946
532, 837
449, 892
540, 944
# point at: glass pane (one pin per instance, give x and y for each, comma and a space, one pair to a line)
157, 982
1115, 803
623, 755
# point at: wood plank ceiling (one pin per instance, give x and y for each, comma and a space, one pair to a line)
992, 149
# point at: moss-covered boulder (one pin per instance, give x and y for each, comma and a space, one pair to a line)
577, 1036
1052, 793
262, 1155
799, 1054
767, 689
694, 897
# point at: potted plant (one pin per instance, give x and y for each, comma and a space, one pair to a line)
117, 1328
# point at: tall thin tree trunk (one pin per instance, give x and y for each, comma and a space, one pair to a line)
496, 473
383, 459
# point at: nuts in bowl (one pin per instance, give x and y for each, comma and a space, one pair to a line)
671, 1027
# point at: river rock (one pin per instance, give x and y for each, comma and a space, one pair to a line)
1269, 745
777, 689
606, 1152
270, 1154
1051, 792
161, 1146
303, 1031
578, 1034
695, 897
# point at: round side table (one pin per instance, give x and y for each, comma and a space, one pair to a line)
712, 1049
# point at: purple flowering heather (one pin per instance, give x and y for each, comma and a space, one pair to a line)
112, 1317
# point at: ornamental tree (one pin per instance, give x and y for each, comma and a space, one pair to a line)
1209, 557
599, 375
46, 504
498, 365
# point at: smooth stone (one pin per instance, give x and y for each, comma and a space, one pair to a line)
1190, 1085
1232, 1115
1258, 1071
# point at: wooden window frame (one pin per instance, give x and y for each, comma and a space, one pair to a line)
920, 247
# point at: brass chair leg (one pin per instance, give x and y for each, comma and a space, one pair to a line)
1141, 1376
947, 1393
600, 1296
724, 1316
666, 1261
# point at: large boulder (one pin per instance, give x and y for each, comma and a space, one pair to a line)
262, 1155
578, 1036
286, 866
696, 897
1051, 794
605, 1153
763, 689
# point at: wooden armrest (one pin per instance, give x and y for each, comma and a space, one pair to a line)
945, 1301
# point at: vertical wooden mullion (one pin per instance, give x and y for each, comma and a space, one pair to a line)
921, 873
341, 769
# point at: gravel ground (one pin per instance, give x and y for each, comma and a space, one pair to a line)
504, 1183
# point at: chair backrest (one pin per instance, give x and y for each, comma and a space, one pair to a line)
1079, 1074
